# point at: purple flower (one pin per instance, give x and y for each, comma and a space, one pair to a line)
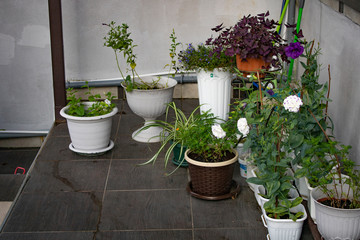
294, 50
270, 92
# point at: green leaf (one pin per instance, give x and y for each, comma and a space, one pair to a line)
296, 202
296, 140
255, 180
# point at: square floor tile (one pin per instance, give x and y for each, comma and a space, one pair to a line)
57, 148
64, 211
127, 148
52, 176
161, 209
146, 235
231, 234
240, 212
48, 236
129, 175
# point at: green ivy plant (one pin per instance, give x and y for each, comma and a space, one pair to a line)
98, 107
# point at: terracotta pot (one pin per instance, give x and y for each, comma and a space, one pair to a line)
251, 65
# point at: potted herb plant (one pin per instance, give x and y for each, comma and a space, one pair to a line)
337, 204
89, 123
253, 40
173, 134
210, 151
213, 71
272, 116
146, 96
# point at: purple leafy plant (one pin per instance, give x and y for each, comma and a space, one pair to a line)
251, 37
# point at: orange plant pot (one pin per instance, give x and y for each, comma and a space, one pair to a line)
251, 65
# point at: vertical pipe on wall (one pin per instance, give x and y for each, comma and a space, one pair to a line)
57, 56
291, 21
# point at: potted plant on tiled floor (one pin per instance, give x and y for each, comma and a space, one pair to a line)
337, 198
214, 77
89, 123
146, 96
172, 140
253, 40
272, 118
210, 153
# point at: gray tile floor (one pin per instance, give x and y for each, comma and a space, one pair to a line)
69, 196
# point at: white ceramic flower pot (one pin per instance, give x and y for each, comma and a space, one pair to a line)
150, 104
285, 229
336, 223
214, 92
89, 135
259, 189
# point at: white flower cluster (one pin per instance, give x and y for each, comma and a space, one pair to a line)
108, 102
292, 103
243, 127
218, 131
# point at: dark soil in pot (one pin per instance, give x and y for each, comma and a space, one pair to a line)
227, 156
337, 203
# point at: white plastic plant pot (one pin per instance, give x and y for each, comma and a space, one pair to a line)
89, 135
285, 229
150, 104
214, 92
251, 172
311, 202
301, 185
259, 189
336, 223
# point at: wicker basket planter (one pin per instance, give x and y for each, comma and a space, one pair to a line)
212, 181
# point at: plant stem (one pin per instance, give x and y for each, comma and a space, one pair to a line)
118, 65
261, 100
328, 95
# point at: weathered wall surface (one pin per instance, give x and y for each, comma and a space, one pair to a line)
26, 93
151, 23
338, 38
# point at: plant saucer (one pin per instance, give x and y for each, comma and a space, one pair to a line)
92, 152
234, 192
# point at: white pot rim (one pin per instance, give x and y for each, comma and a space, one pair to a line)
214, 70
70, 117
318, 190
211, 164
299, 208
171, 83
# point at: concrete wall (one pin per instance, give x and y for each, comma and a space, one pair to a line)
338, 38
151, 23
26, 93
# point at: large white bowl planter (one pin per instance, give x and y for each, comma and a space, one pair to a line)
335, 223
285, 229
150, 104
214, 92
89, 135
